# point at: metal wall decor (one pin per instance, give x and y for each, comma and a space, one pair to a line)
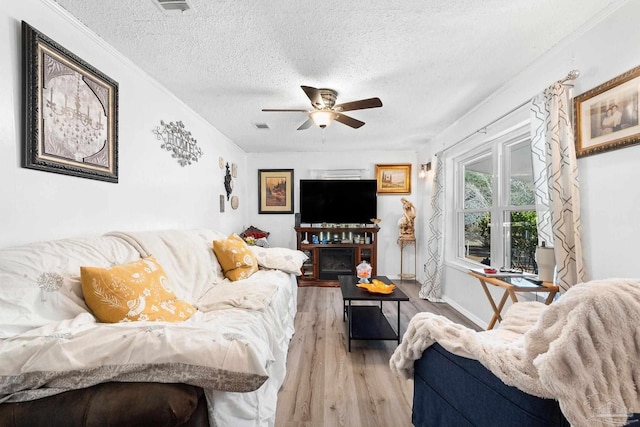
228, 181
176, 139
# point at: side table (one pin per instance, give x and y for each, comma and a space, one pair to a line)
408, 242
510, 289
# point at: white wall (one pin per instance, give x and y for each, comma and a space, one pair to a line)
389, 206
153, 192
610, 197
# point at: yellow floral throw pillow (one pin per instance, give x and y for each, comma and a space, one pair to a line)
134, 291
235, 257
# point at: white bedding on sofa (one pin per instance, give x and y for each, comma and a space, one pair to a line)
40, 282
234, 347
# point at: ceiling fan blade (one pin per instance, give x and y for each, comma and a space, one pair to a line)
306, 125
349, 121
359, 105
271, 110
314, 96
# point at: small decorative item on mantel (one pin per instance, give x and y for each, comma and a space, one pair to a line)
363, 271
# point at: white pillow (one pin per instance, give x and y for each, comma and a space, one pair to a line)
285, 259
262, 241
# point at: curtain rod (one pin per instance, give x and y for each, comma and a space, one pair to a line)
572, 75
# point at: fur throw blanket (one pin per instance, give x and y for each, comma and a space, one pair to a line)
583, 350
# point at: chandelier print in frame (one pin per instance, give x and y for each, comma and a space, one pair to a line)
70, 112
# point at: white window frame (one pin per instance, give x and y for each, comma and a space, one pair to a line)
497, 149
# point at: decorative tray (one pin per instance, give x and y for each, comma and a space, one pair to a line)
377, 287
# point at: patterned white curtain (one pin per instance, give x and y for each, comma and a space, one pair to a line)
556, 180
431, 289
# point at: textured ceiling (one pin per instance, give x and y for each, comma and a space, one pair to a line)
429, 61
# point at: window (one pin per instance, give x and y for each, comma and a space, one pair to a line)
496, 215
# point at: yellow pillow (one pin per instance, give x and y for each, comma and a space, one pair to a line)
134, 291
235, 257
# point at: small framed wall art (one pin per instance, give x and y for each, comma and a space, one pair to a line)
606, 117
394, 179
275, 191
70, 112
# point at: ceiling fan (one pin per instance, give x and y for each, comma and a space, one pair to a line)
325, 110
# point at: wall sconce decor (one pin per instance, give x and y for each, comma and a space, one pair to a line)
424, 169
176, 139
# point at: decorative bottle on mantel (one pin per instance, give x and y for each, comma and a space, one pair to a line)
546, 260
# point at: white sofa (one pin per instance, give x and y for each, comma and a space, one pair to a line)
234, 347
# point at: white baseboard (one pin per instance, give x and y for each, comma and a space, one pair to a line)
465, 312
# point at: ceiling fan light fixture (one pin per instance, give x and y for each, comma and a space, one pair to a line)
325, 110
322, 118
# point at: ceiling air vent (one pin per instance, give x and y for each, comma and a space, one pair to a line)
261, 126
173, 5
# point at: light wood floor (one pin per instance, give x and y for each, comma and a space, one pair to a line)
328, 386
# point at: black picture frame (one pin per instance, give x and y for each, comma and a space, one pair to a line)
275, 191
70, 120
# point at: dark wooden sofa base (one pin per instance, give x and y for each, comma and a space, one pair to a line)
113, 404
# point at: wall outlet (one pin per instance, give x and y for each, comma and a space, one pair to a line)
425, 268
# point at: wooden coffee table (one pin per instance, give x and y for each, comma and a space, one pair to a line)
368, 322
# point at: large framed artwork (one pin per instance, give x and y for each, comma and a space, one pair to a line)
70, 112
275, 191
394, 179
606, 117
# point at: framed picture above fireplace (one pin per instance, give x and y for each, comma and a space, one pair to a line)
394, 179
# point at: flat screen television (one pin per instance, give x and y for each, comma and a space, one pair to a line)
338, 201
